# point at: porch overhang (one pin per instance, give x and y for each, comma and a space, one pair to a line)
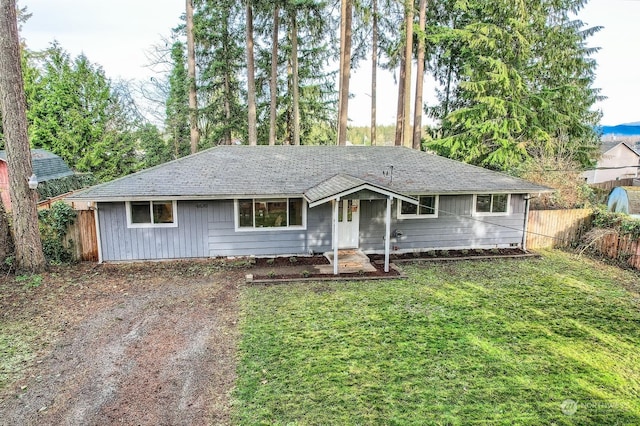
343, 185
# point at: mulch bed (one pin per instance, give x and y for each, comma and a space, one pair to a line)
451, 254
266, 262
377, 260
377, 274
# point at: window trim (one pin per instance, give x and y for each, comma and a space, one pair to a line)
174, 224
236, 215
491, 213
417, 215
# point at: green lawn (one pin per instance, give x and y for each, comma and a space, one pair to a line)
500, 342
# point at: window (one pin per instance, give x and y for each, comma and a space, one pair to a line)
141, 214
270, 213
491, 204
428, 207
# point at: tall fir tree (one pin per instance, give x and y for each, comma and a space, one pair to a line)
524, 81
177, 125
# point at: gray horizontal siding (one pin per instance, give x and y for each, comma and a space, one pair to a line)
453, 228
207, 229
118, 242
224, 240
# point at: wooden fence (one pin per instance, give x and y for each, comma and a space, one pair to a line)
83, 235
624, 249
556, 228
609, 185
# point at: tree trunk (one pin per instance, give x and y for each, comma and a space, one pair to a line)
251, 83
448, 89
6, 244
191, 72
273, 84
400, 109
374, 68
408, 60
296, 89
345, 70
418, 107
29, 255
227, 110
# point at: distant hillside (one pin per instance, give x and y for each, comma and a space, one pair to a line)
631, 129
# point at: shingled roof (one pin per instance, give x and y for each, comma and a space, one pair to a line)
246, 171
46, 165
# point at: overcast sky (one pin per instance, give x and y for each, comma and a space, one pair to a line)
116, 34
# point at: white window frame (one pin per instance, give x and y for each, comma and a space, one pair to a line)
491, 213
433, 215
174, 224
236, 215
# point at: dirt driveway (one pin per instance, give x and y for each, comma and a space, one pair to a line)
136, 344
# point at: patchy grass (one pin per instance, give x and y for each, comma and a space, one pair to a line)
16, 350
540, 341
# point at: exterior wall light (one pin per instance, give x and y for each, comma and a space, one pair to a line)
33, 182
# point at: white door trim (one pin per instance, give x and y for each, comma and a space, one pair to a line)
348, 224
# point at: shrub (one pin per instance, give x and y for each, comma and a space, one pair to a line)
54, 224
624, 224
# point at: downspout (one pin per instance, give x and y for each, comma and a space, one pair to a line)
526, 222
336, 204
99, 241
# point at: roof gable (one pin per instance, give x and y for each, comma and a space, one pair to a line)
342, 185
261, 171
608, 147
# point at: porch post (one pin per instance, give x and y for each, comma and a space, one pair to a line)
336, 204
387, 234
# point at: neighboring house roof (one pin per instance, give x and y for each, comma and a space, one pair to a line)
46, 165
608, 146
246, 171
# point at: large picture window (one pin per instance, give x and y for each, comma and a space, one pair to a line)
491, 204
270, 213
427, 208
142, 214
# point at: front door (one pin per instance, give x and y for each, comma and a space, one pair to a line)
349, 224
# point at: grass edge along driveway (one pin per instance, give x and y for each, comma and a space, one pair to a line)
543, 341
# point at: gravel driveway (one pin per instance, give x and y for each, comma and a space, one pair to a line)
143, 345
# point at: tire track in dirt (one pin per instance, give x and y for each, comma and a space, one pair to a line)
164, 356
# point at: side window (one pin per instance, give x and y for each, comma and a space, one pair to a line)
491, 204
148, 214
427, 208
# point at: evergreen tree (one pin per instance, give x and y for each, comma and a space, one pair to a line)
79, 114
305, 31
524, 81
177, 125
220, 31
156, 150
